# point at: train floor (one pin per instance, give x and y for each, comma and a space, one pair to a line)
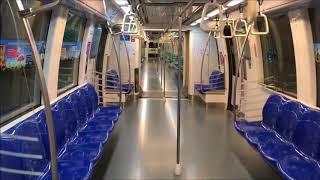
152, 79
143, 144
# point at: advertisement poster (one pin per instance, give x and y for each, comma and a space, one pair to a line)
317, 52
2, 56
70, 51
15, 54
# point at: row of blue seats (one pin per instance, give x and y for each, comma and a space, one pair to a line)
82, 128
288, 137
113, 82
216, 82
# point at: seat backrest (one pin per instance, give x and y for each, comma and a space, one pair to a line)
93, 96
89, 101
297, 108
78, 107
312, 115
59, 127
307, 138
69, 117
287, 120
271, 110
275, 98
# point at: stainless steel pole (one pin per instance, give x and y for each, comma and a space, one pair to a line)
128, 58
202, 62
178, 165
46, 100
119, 68
238, 67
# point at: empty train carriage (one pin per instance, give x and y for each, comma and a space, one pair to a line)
150, 89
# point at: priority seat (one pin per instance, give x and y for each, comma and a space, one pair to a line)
82, 128
113, 83
288, 137
216, 82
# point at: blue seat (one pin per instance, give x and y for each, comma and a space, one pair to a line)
302, 164
113, 83
81, 130
289, 138
270, 113
284, 125
216, 82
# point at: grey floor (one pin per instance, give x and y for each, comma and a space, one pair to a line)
155, 77
143, 144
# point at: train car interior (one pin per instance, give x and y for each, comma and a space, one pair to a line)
159, 89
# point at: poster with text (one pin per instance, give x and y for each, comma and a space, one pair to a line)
15, 54
70, 51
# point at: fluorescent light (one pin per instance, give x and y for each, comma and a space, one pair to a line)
193, 24
121, 2
234, 2
126, 9
213, 13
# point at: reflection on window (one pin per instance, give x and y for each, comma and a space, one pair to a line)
70, 53
278, 56
315, 24
19, 88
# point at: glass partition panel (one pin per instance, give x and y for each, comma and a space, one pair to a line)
19, 88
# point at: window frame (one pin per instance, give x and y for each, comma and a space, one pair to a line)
274, 87
75, 73
36, 98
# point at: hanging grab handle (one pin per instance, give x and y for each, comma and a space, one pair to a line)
240, 28
241, 25
265, 22
227, 30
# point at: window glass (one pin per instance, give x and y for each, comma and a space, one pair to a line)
70, 52
278, 56
95, 41
19, 88
315, 24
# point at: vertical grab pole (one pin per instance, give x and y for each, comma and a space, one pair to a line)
238, 67
128, 58
178, 165
164, 77
46, 100
119, 68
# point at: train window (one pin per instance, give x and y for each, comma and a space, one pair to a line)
19, 88
315, 24
70, 52
278, 56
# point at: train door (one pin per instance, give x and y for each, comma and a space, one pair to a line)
150, 71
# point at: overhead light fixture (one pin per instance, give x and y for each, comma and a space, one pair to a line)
213, 13
126, 9
234, 3
193, 24
122, 2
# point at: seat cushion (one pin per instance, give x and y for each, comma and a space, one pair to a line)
261, 136
276, 150
245, 126
89, 152
93, 137
298, 167
71, 170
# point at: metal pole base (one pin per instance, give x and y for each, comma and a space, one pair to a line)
177, 170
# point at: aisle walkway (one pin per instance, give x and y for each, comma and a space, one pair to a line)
143, 145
